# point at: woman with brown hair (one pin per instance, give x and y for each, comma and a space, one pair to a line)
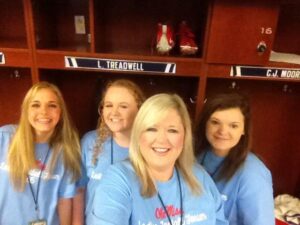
223, 145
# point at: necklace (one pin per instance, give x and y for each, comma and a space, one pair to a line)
181, 207
36, 196
111, 151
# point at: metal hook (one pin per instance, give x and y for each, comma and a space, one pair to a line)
233, 85
193, 100
152, 82
286, 88
15, 74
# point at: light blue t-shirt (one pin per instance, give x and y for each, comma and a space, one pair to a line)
118, 200
18, 208
93, 173
248, 195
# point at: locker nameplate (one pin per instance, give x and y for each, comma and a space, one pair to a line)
119, 65
2, 58
270, 72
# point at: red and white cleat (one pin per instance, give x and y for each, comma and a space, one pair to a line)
187, 40
164, 39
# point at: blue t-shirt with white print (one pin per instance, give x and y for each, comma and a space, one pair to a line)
18, 208
118, 200
93, 173
248, 195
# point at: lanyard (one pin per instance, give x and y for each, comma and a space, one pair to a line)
35, 197
181, 208
111, 151
212, 174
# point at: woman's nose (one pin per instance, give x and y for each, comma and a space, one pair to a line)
161, 136
222, 129
43, 109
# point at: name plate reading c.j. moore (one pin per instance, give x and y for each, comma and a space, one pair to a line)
2, 58
248, 71
119, 65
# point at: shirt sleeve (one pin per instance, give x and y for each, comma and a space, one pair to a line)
112, 200
255, 198
67, 188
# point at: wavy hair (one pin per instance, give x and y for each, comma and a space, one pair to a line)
237, 155
155, 109
103, 132
65, 140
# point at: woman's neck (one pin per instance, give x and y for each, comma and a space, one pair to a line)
122, 139
162, 175
42, 138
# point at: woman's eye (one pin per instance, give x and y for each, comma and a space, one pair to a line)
107, 106
53, 106
151, 129
35, 105
173, 131
214, 122
234, 126
124, 106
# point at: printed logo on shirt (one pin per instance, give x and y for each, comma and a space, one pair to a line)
187, 220
162, 217
172, 211
96, 176
224, 197
3, 166
35, 174
41, 165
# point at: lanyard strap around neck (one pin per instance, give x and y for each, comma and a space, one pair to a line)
111, 151
181, 207
36, 197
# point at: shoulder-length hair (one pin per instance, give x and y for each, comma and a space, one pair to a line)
21, 156
238, 153
103, 132
155, 109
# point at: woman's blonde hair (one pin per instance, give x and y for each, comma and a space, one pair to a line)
103, 132
155, 109
21, 156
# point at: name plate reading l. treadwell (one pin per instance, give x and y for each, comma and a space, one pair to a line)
2, 59
248, 71
119, 65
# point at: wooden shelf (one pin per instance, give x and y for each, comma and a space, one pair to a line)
54, 24
13, 26
16, 57
131, 27
56, 60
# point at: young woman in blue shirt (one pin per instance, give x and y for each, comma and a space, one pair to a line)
39, 161
108, 144
223, 145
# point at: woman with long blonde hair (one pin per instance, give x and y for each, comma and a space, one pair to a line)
161, 182
40, 161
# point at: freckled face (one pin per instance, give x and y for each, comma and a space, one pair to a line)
162, 143
224, 129
44, 113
